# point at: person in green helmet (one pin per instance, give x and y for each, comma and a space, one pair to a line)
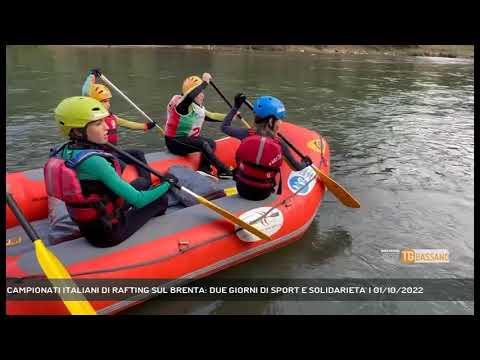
106, 208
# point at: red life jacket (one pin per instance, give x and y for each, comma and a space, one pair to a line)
111, 122
173, 118
259, 159
95, 202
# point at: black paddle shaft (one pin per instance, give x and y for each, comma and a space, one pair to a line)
223, 97
281, 136
220, 93
12, 204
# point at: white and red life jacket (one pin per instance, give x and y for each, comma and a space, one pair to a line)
179, 125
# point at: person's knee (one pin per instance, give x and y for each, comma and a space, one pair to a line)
212, 144
161, 204
141, 184
207, 148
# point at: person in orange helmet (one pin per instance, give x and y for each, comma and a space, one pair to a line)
185, 116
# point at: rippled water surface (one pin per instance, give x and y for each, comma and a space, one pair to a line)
401, 136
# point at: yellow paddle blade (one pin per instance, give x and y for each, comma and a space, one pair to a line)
229, 216
230, 191
338, 190
55, 271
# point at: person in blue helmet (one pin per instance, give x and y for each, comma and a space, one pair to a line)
261, 152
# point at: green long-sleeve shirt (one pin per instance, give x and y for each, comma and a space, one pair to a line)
99, 168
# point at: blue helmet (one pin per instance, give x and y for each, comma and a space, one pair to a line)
266, 106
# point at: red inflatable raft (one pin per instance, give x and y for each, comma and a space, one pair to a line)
184, 244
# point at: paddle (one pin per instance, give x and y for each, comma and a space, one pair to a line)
336, 189
221, 193
104, 78
50, 264
230, 191
226, 214
229, 104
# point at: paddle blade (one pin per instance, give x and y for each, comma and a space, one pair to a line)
228, 215
230, 191
56, 273
337, 190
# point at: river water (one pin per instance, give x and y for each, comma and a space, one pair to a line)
401, 134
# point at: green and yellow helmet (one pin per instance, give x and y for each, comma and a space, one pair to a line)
78, 111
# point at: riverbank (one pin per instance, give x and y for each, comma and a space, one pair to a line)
451, 51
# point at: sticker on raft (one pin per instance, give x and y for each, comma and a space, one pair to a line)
14, 241
316, 145
298, 179
269, 224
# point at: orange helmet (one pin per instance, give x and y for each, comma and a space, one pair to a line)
99, 92
190, 83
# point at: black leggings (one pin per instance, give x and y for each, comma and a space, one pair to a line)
187, 145
130, 220
252, 193
140, 156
